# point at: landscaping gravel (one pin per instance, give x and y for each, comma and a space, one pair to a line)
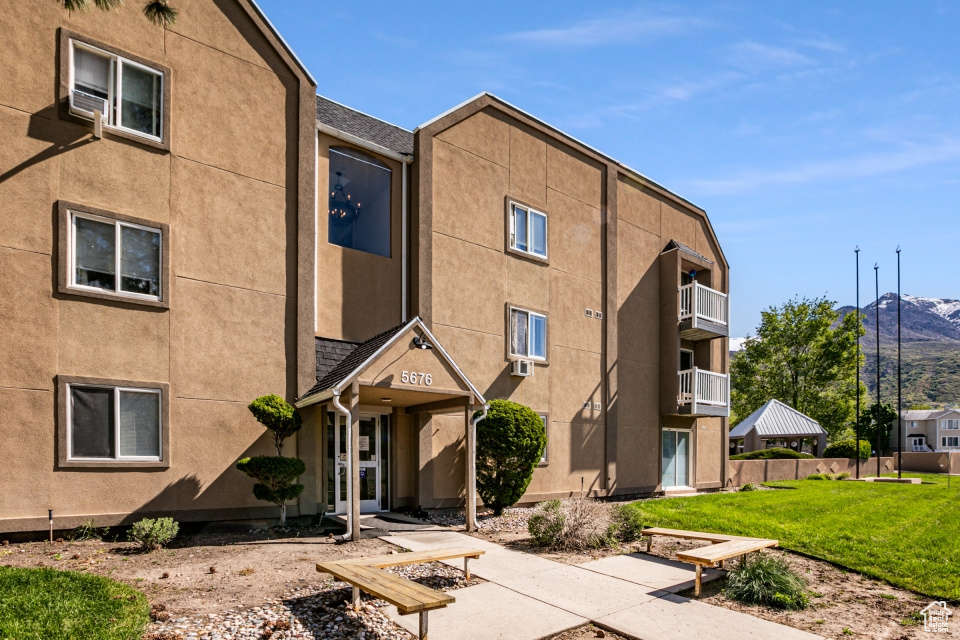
513, 520
309, 612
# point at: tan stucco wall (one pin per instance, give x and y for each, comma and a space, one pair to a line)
231, 187
358, 293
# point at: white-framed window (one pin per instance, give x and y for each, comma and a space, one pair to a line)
950, 441
528, 334
917, 444
113, 423
950, 424
546, 431
528, 230
913, 424
129, 95
118, 257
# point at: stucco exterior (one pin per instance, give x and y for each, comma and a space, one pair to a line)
232, 186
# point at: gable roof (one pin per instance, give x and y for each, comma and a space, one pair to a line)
927, 414
673, 244
491, 98
777, 419
363, 126
283, 43
367, 352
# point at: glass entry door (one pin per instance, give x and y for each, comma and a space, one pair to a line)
675, 459
373, 465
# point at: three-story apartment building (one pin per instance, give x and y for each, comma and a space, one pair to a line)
189, 227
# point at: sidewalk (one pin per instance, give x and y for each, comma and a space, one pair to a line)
528, 597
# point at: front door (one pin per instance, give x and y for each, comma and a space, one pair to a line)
675, 459
373, 464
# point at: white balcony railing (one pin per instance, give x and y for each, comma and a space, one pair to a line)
699, 387
708, 303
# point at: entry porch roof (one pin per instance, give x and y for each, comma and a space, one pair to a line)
379, 365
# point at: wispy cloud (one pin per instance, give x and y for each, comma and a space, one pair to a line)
862, 166
755, 55
619, 28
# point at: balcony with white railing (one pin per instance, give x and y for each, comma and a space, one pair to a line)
703, 393
704, 312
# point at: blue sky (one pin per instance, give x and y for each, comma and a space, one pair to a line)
804, 129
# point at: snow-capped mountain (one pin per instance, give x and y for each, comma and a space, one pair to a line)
947, 309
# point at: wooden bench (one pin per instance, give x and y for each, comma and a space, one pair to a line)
408, 597
723, 548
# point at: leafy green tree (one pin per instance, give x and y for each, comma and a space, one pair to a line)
159, 12
848, 449
510, 442
277, 415
869, 424
275, 475
804, 355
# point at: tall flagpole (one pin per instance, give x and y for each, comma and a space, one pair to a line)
876, 278
857, 251
899, 381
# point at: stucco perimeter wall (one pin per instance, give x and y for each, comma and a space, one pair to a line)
478, 166
230, 187
741, 472
931, 461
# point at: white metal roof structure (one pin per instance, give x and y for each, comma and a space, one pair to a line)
775, 419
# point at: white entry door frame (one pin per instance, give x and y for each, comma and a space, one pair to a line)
371, 468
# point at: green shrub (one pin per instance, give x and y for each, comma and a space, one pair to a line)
847, 449
767, 581
842, 476
819, 476
773, 453
626, 524
275, 477
277, 415
748, 487
153, 534
546, 524
510, 442
88, 531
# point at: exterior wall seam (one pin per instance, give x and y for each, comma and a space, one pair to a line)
242, 175
211, 399
482, 246
577, 275
454, 326
475, 155
563, 346
39, 253
27, 389
567, 195
233, 286
26, 113
226, 53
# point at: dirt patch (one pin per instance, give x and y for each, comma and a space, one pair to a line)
586, 632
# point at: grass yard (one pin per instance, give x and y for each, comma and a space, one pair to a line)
908, 535
46, 604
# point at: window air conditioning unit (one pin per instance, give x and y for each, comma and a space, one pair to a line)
522, 368
87, 104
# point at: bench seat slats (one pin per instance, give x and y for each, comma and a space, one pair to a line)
692, 535
406, 595
713, 554
415, 557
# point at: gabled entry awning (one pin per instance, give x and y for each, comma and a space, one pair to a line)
404, 366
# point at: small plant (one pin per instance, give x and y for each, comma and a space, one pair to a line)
768, 581
626, 524
546, 524
847, 631
915, 618
847, 449
153, 534
888, 596
748, 487
87, 531
510, 442
819, 476
843, 475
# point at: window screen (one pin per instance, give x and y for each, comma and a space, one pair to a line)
518, 332
538, 234
520, 228
528, 231
95, 247
95, 253
91, 73
359, 202
92, 426
538, 336
543, 456
140, 261
139, 424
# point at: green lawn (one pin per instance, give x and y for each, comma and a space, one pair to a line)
45, 604
908, 535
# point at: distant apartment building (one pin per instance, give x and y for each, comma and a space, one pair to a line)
189, 226
930, 430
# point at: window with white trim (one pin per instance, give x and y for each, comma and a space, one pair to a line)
128, 94
113, 423
528, 334
114, 256
528, 230
951, 441
950, 424
546, 434
913, 424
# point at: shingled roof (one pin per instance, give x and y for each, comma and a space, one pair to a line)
673, 244
356, 123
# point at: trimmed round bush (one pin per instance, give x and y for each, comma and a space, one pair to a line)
767, 581
278, 416
153, 534
510, 442
848, 449
773, 453
275, 477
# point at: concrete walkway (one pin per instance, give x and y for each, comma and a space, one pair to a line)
528, 597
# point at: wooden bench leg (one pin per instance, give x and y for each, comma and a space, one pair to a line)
649, 543
466, 568
423, 625
355, 601
743, 561
721, 565
696, 590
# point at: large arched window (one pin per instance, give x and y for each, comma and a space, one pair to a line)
358, 199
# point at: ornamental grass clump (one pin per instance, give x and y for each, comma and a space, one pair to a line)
577, 524
767, 581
